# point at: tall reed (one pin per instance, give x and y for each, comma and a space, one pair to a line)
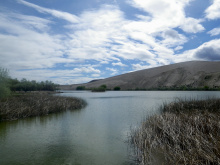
187, 132
29, 105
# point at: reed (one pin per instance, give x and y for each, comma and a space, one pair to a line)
187, 132
29, 105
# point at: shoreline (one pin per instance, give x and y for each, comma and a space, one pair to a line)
26, 105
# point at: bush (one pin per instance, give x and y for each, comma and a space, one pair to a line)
117, 88
100, 89
103, 86
80, 88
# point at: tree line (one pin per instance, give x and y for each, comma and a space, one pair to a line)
8, 85
26, 85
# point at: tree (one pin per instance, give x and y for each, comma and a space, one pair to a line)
117, 88
4, 83
103, 86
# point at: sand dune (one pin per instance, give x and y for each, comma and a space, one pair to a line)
190, 74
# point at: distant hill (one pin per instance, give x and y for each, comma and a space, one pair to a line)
193, 74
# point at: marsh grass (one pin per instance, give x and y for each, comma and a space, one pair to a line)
187, 132
29, 105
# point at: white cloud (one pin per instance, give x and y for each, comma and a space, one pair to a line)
25, 47
207, 51
114, 71
172, 38
214, 32
192, 25
166, 14
139, 67
95, 75
103, 35
86, 70
213, 11
178, 48
104, 62
57, 76
59, 14
118, 64
33, 22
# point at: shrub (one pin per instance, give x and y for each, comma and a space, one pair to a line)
99, 89
103, 86
117, 88
80, 88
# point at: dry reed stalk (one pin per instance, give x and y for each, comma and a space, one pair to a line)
185, 133
30, 105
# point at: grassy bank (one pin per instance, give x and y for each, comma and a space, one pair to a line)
187, 132
29, 105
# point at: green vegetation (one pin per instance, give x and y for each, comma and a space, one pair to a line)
29, 105
15, 105
117, 88
25, 85
81, 88
9, 85
102, 88
187, 132
179, 88
4, 83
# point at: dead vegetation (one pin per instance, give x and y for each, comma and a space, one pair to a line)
187, 132
29, 105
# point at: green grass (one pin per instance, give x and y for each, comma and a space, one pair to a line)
187, 132
29, 105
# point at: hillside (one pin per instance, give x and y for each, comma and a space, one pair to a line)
193, 74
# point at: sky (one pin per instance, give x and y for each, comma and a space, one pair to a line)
76, 41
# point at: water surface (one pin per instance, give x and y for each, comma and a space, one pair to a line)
95, 135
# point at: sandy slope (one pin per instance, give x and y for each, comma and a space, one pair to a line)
191, 74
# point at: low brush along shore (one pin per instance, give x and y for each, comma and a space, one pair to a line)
36, 104
186, 132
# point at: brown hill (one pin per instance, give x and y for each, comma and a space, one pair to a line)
191, 74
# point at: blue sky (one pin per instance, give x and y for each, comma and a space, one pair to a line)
76, 41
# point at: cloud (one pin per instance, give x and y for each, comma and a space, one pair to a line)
167, 14
106, 34
118, 64
213, 11
171, 34
66, 76
192, 25
86, 70
136, 67
95, 75
172, 38
99, 36
114, 71
214, 32
59, 14
104, 62
178, 48
207, 51
33, 22
26, 47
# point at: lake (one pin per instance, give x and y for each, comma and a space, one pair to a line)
95, 135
